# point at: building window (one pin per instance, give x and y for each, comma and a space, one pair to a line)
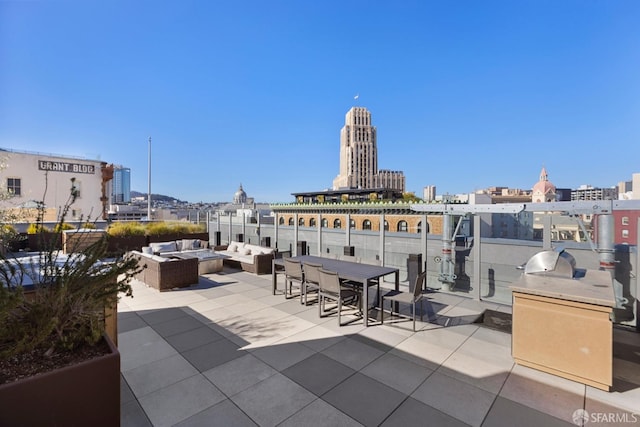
366, 224
337, 223
281, 221
75, 187
312, 222
386, 225
625, 220
352, 223
291, 221
419, 227
625, 234
14, 186
402, 226
301, 222
324, 223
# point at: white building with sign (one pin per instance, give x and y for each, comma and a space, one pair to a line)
31, 178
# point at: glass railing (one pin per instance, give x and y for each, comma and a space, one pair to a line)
499, 258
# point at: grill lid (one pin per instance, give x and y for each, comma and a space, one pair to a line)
551, 263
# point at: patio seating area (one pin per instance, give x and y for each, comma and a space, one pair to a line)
228, 352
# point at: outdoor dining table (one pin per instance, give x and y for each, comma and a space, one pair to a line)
347, 270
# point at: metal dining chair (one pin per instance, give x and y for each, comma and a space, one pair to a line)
292, 274
331, 289
311, 280
407, 298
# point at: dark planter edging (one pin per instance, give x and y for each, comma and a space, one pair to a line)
44, 241
118, 245
85, 394
177, 236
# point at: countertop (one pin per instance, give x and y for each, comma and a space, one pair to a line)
595, 287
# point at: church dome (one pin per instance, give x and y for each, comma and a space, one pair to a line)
240, 196
544, 190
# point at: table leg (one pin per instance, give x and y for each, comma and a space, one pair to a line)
365, 303
274, 277
396, 305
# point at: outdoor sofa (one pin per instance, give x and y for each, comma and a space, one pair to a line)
166, 273
252, 258
176, 247
208, 260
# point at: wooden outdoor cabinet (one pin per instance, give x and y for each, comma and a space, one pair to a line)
564, 327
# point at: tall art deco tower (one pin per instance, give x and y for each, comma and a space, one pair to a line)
359, 156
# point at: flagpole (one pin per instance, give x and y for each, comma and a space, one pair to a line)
149, 188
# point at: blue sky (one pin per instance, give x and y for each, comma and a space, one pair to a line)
465, 94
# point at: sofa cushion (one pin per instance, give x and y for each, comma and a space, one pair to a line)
163, 247
189, 244
259, 250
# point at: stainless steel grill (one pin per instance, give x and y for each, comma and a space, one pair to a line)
556, 263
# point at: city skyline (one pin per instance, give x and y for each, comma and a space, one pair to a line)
464, 96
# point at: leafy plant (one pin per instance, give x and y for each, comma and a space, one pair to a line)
154, 228
8, 234
176, 227
60, 227
157, 229
36, 228
120, 229
51, 302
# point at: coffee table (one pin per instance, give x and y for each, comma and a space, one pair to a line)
208, 260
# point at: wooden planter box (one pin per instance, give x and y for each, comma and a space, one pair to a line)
80, 240
85, 394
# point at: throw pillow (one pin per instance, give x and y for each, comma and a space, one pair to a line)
232, 248
163, 246
188, 244
246, 251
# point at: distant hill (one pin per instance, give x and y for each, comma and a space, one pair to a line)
156, 197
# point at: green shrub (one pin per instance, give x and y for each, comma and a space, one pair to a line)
35, 228
197, 228
154, 228
186, 227
123, 229
8, 230
88, 226
61, 226
8, 234
158, 228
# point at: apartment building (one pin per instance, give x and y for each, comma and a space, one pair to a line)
587, 192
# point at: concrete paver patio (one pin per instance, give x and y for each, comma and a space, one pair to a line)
229, 353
